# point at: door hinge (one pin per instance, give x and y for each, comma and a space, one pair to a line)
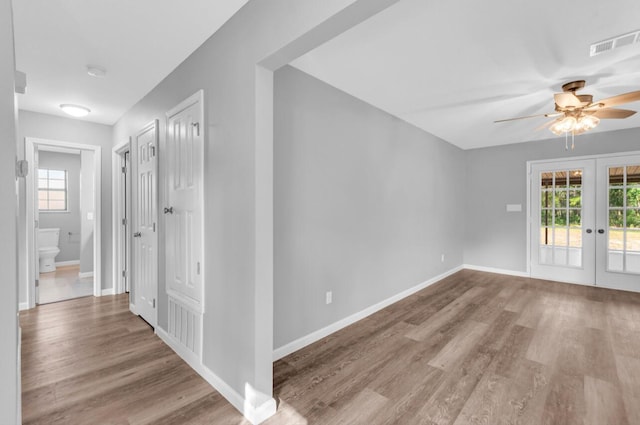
154, 303
37, 283
196, 125
124, 273
124, 221
198, 267
153, 150
154, 227
124, 170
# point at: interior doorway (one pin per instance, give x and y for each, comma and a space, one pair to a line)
122, 219
63, 220
585, 221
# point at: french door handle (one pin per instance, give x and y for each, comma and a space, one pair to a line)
601, 231
589, 230
137, 234
168, 210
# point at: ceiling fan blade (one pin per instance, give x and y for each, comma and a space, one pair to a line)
545, 125
611, 113
529, 116
567, 100
632, 96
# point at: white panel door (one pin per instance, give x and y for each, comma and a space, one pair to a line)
184, 202
618, 230
563, 220
145, 237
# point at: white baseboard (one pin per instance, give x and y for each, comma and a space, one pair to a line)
255, 415
68, 263
299, 343
23, 306
495, 270
85, 274
108, 291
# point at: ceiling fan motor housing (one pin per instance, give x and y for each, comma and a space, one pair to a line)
573, 86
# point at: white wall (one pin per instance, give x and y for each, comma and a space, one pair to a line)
68, 221
496, 176
9, 371
43, 126
365, 204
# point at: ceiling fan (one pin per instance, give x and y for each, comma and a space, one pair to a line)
578, 113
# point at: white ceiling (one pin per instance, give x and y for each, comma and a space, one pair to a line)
453, 67
138, 42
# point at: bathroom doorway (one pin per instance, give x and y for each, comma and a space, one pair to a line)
63, 203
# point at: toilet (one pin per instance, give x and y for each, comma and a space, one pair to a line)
48, 249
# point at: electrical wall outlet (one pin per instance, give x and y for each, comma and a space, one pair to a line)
329, 297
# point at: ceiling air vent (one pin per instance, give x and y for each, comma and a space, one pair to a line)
614, 43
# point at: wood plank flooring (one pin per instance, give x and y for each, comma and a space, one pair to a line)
476, 348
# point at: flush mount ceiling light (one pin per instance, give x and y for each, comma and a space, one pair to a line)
75, 110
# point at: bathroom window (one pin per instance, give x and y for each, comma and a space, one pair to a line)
52, 190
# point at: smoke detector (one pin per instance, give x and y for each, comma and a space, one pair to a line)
96, 71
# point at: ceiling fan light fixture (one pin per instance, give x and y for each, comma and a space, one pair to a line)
567, 124
75, 110
588, 122
556, 127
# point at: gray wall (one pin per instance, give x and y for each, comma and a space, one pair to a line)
365, 204
237, 322
68, 222
9, 370
496, 176
43, 126
86, 207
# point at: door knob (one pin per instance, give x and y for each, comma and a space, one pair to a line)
168, 210
601, 231
589, 230
137, 234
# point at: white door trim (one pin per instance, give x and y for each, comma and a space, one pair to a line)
119, 238
30, 145
529, 182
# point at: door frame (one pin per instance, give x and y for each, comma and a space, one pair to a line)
30, 145
529, 189
121, 239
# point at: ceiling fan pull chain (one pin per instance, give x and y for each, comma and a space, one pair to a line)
566, 141
573, 143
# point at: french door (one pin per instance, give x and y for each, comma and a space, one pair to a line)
585, 221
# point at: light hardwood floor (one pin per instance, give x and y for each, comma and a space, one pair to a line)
64, 283
476, 348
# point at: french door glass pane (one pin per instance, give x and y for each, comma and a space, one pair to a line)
561, 218
624, 219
